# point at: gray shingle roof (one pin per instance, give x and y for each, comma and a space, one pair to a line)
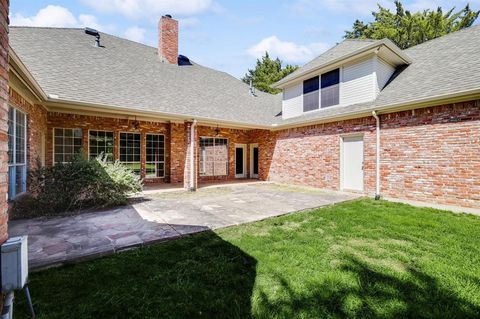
128, 74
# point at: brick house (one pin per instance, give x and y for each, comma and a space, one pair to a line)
364, 116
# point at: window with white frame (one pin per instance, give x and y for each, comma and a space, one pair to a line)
330, 88
213, 156
155, 155
17, 152
101, 142
67, 142
311, 94
130, 151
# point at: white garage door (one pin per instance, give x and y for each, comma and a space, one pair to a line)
353, 163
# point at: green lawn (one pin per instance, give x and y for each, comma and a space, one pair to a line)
359, 259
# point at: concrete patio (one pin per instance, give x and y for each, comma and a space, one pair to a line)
162, 215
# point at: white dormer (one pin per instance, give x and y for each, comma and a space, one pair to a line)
341, 77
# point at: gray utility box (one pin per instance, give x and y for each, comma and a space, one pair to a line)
14, 263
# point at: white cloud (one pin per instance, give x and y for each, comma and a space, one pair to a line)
137, 9
287, 51
135, 34
188, 22
58, 16
50, 16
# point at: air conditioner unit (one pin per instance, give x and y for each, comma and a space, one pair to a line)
14, 263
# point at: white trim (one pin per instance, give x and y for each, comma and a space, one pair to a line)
377, 155
372, 48
342, 177
244, 148
252, 146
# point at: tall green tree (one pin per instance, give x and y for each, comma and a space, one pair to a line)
407, 29
267, 71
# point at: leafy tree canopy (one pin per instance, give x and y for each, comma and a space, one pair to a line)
407, 29
267, 72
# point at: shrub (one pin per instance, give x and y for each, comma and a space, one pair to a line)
76, 185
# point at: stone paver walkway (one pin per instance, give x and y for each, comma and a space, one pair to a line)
162, 216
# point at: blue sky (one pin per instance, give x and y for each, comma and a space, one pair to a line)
225, 35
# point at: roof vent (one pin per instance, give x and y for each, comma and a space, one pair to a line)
183, 60
96, 34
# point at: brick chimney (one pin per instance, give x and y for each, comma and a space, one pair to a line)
168, 39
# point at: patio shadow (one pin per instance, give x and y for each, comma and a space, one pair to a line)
198, 276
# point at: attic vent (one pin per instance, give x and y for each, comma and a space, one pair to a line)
96, 34
183, 60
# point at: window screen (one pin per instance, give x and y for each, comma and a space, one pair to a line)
310, 94
213, 156
330, 88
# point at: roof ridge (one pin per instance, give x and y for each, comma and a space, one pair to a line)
39, 27
360, 40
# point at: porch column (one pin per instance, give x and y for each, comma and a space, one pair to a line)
190, 180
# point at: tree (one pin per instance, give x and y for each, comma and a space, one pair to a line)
407, 29
267, 72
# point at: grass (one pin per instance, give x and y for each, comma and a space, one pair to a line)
361, 259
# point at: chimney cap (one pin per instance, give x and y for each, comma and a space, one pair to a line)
168, 16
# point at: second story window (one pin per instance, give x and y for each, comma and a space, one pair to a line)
310, 94
330, 88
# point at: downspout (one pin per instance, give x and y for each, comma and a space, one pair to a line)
192, 155
377, 155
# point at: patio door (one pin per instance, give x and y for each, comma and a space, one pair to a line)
253, 160
240, 160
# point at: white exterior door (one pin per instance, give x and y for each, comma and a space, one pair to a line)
352, 167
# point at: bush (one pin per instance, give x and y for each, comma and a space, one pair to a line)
76, 185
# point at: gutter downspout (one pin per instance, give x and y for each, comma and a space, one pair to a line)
377, 155
192, 155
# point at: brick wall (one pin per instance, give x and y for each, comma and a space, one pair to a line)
36, 126
177, 133
430, 154
3, 120
86, 123
433, 154
311, 155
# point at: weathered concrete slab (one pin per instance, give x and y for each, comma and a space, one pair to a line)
162, 216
